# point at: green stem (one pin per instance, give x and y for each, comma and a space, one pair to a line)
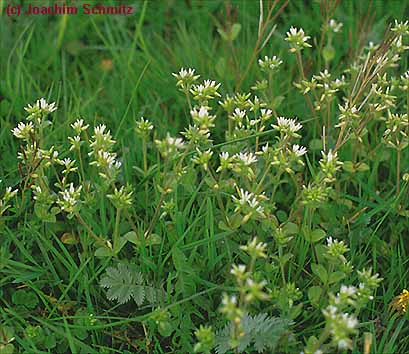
145, 166
398, 171
116, 230
81, 164
83, 223
280, 255
265, 173
186, 91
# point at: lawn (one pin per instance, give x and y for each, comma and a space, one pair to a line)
205, 177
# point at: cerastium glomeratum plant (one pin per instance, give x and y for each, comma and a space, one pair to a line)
270, 195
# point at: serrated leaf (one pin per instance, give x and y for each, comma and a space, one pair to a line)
261, 330
123, 284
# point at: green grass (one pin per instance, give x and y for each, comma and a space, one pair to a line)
60, 58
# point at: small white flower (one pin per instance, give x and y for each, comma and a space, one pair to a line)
23, 131
342, 344
79, 126
350, 321
244, 196
224, 156
335, 26
269, 64
184, 73
297, 39
247, 158
299, 150
41, 106
348, 290
175, 142
287, 125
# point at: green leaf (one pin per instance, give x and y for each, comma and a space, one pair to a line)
314, 295
221, 66
320, 272
222, 226
223, 34
235, 30
348, 166
50, 341
121, 243
317, 235
315, 145
328, 53
285, 258
179, 259
69, 239
261, 330
362, 167
123, 283
104, 251
25, 298
151, 240
335, 277
6, 349
290, 228
165, 328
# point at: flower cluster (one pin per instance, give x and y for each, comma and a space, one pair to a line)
297, 39
233, 307
101, 145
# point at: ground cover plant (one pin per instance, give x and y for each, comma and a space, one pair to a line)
209, 177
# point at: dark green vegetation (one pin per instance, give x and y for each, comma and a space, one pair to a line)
57, 296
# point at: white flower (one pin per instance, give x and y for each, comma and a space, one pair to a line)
348, 290
249, 199
247, 158
287, 125
99, 130
69, 198
42, 106
269, 64
75, 142
335, 26
144, 125
184, 73
211, 84
342, 344
299, 150
297, 39
239, 113
350, 321
329, 241
79, 126
238, 270
265, 114
23, 131
175, 142
224, 156
9, 193
244, 196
